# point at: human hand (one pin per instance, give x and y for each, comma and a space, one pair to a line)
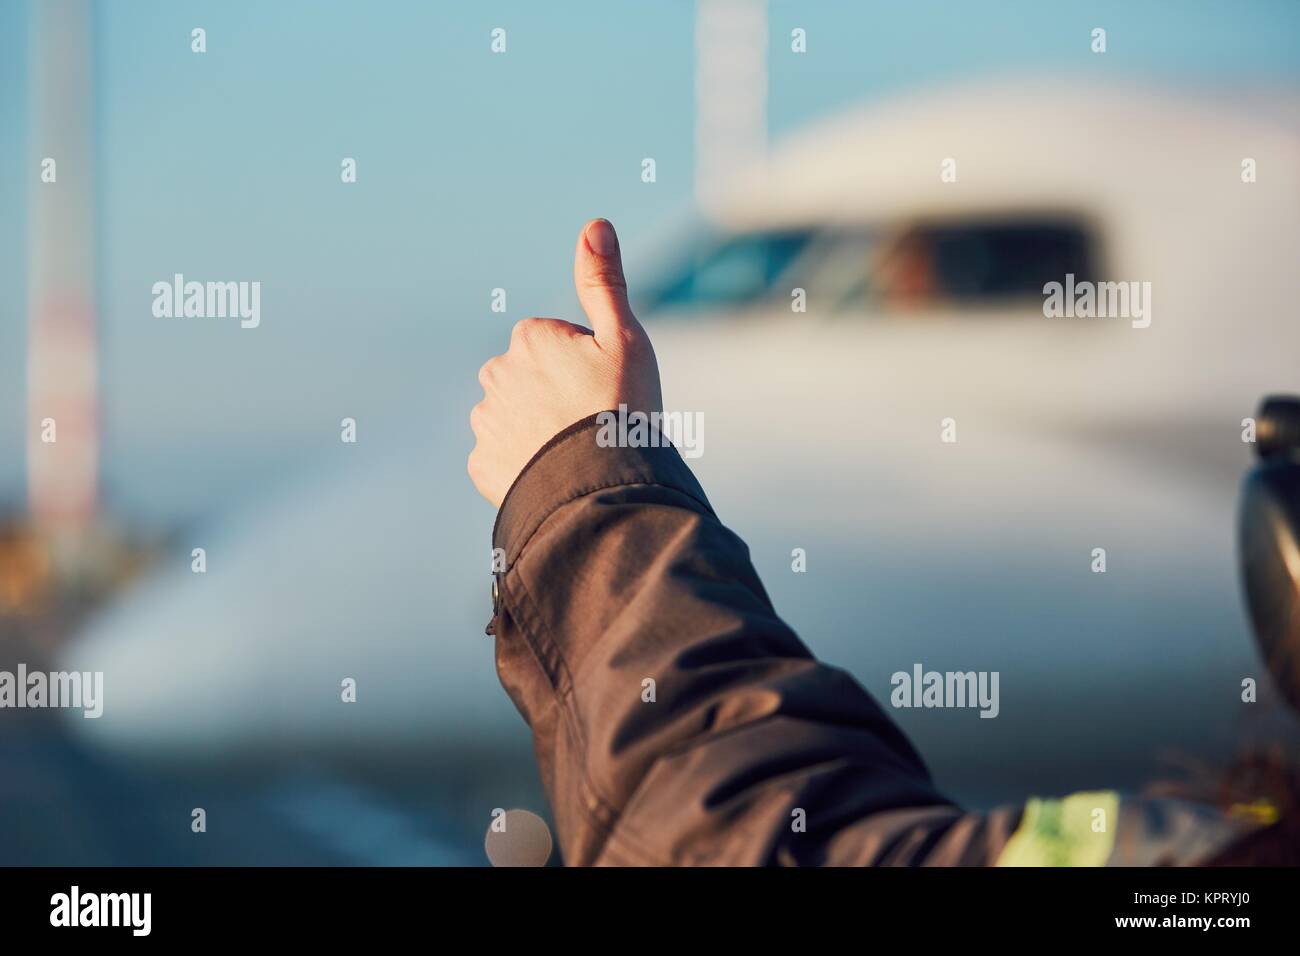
556, 373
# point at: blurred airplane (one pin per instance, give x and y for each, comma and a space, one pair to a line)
924, 302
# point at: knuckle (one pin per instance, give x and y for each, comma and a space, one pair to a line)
526, 330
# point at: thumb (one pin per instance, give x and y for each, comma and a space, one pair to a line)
602, 290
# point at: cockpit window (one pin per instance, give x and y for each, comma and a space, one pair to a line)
973, 261
735, 271
896, 267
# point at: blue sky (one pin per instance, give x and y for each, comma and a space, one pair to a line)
475, 171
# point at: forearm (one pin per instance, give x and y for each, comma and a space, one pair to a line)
677, 718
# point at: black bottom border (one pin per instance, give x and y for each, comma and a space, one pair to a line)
333, 905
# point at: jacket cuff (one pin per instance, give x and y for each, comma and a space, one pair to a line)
574, 464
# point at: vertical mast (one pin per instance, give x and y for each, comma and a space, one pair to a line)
730, 94
62, 476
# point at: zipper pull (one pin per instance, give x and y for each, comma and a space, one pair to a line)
491, 628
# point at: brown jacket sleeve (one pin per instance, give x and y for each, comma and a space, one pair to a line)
748, 751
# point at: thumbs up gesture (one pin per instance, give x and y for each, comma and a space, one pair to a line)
556, 373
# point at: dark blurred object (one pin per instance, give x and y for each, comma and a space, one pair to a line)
1264, 785
1270, 542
